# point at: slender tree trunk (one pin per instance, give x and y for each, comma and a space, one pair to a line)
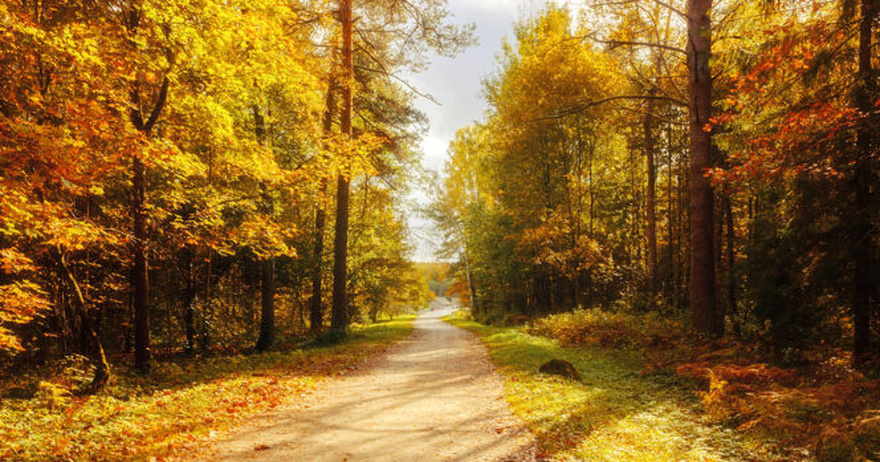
863, 180
316, 306
704, 310
140, 283
670, 216
205, 337
267, 305
650, 197
731, 263
339, 309
579, 211
472, 291
589, 276
188, 299
139, 271
267, 263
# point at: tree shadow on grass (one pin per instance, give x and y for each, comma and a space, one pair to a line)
308, 360
614, 403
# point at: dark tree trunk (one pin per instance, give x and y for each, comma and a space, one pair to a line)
730, 283
267, 263
188, 300
139, 270
140, 284
267, 305
672, 280
704, 311
650, 197
316, 306
339, 315
205, 337
862, 218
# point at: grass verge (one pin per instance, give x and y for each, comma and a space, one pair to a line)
180, 405
616, 414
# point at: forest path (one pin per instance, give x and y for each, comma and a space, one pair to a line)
434, 397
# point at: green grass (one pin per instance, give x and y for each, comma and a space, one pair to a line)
616, 414
181, 404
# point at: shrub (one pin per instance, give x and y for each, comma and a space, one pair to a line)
835, 446
610, 329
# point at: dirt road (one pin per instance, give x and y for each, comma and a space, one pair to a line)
435, 397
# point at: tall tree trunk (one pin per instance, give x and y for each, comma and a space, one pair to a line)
316, 306
469, 276
472, 291
267, 263
140, 283
670, 218
863, 180
650, 196
205, 337
730, 283
139, 271
589, 276
339, 310
704, 310
267, 304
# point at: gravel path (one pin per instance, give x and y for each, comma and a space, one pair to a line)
434, 397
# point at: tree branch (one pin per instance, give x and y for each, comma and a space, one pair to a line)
589, 104
671, 8
619, 43
157, 108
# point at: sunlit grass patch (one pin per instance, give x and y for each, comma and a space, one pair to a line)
615, 414
181, 403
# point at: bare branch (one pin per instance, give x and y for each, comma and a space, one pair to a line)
671, 8
619, 43
408, 85
582, 107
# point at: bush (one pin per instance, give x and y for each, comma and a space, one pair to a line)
835, 447
867, 435
610, 329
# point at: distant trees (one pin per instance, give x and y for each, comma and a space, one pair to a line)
392, 36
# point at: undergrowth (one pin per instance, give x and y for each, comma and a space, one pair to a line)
615, 414
178, 406
826, 412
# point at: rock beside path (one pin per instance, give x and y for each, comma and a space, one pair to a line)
561, 368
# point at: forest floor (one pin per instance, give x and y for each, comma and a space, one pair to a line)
614, 414
180, 407
435, 396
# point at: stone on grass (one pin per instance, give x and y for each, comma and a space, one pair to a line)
561, 368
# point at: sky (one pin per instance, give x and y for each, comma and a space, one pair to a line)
455, 83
